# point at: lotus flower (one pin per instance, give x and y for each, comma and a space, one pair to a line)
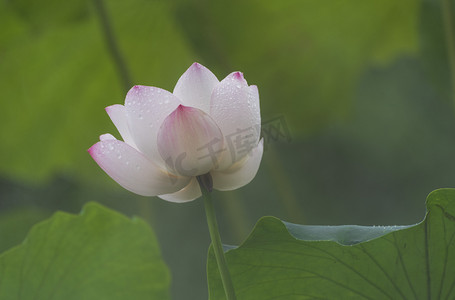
204, 126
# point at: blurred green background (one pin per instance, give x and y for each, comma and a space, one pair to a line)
363, 86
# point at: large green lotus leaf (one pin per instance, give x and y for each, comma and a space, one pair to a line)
57, 74
305, 56
287, 261
99, 254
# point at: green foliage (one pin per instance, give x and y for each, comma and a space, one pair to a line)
434, 46
305, 56
98, 254
57, 75
15, 224
287, 261
57, 72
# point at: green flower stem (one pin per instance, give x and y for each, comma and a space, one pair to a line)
450, 39
112, 44
216, 240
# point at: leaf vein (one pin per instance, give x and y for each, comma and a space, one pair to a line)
355, 271
311, 272
362, 248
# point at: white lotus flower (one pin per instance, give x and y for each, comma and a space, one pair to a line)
204, 126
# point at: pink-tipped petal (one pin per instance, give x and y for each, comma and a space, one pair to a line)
117, 113
190, 192
190, 141
195, 86
235, 107
133, 171
240, 173
146, 108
